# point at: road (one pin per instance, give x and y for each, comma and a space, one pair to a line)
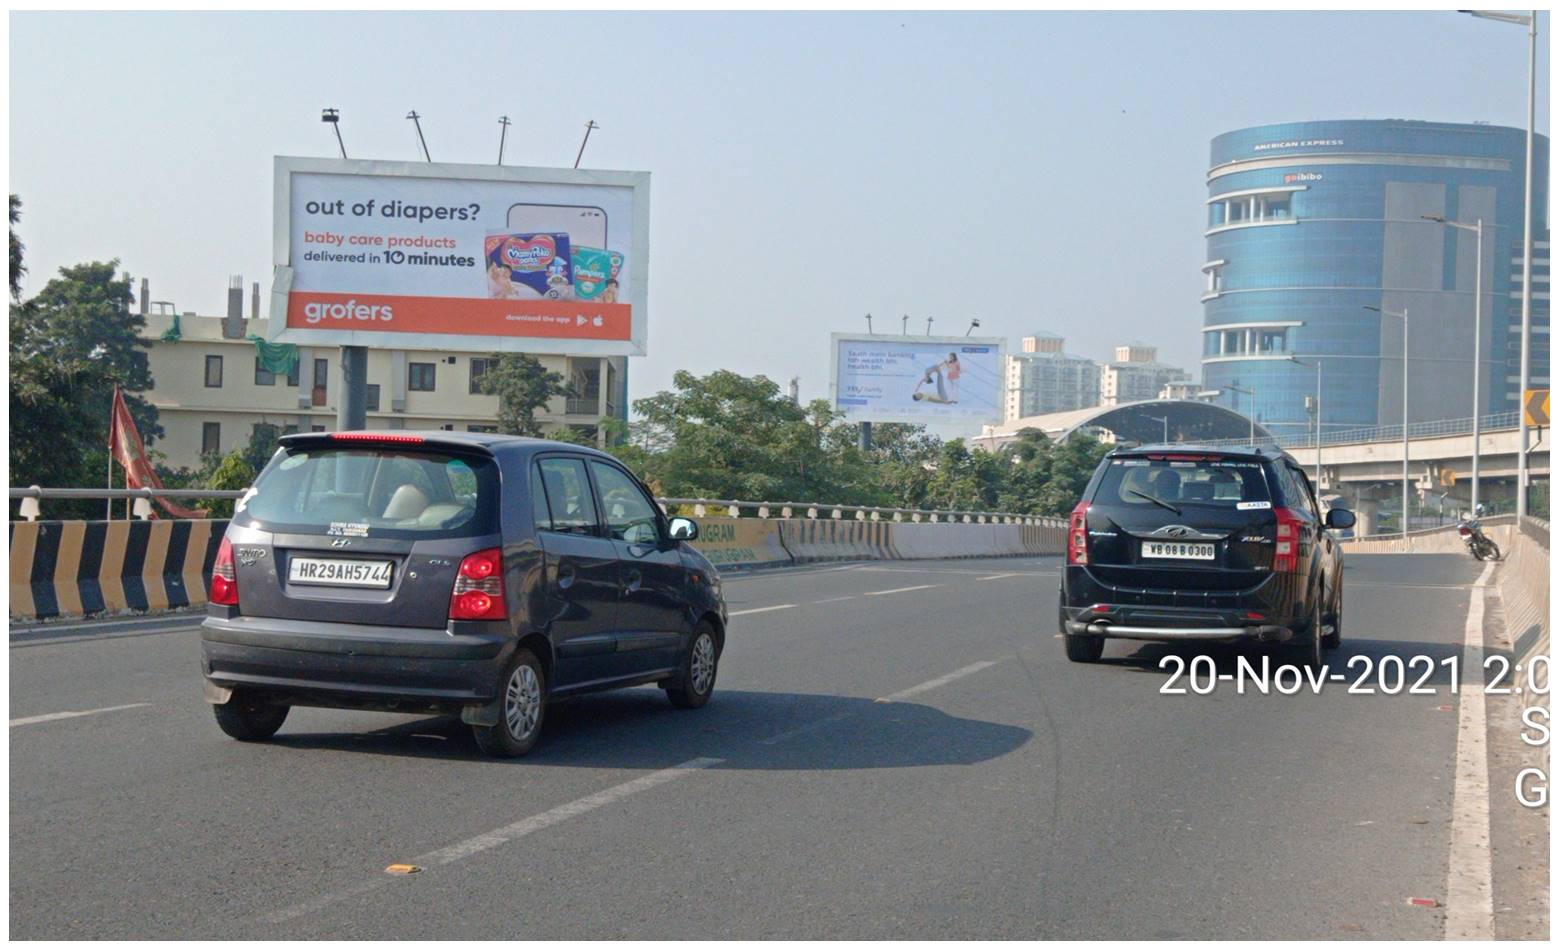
894, 750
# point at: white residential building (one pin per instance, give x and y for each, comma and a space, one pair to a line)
1135, 374
1044, 378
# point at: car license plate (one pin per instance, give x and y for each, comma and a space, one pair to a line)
1198, 551
345, 572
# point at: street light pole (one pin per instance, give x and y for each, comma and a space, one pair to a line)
1252, 415
1405, 446
1477, 354
1530, 22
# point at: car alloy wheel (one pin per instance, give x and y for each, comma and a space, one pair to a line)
703, 665
522, 702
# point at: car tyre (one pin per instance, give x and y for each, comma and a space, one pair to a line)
249, 718
1312, 648
1334, 639
1083, 649
696, 680
522, 708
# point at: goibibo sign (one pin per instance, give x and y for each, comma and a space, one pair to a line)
463, 257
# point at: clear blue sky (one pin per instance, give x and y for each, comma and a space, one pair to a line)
1032, 170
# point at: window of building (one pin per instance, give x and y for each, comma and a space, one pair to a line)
1244, 208
420, 376
316, 429
479, 368
373, 398
213, 370
321, 381
262, 376
292, 375
210, 437
474, 428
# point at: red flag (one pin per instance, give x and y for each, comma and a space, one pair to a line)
124, 443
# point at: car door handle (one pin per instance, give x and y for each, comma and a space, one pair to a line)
635, 581
565, 575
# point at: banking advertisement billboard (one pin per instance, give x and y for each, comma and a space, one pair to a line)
893, 379
464, 257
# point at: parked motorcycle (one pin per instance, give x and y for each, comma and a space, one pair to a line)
1480, 545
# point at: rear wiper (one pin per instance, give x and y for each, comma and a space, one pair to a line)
1154, 499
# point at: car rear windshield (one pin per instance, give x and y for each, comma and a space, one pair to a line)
382, 493
1221, 483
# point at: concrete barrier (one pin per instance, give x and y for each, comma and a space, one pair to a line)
1523, 586
740, 542
1444, 540
85, 569
830, 539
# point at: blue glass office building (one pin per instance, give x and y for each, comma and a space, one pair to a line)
1310, 222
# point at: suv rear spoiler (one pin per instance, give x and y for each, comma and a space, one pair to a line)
386, 439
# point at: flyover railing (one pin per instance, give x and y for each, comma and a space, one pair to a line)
1367, 434
735, 508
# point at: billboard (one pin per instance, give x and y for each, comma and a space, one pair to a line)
465, 257
892, 379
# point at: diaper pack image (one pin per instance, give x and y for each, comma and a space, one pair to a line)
529, 266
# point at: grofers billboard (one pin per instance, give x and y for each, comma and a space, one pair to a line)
918, 379
466, 257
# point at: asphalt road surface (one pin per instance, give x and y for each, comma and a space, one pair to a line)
894, 750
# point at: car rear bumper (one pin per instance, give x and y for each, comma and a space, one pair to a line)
348, 665
1262, 632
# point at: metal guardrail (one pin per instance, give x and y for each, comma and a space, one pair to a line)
701, 506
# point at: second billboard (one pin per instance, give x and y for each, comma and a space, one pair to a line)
890, 379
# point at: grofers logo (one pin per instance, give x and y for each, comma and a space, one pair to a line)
316, 311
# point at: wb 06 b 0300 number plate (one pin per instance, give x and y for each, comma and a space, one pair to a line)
344, 572
1198, 551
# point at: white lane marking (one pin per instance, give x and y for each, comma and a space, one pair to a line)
1010, 574
939, 681
805, 728
913, 587
1469, 892
848, 597
552, 817
503, 835
772, 607
69, 714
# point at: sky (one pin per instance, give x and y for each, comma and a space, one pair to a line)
1034, 171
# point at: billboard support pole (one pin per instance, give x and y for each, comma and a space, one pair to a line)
353, 410
866, 436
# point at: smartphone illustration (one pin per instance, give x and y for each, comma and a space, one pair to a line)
585, 225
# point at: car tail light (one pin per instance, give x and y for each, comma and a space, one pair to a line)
1077, 536
478, 594
224, 577
375, 437
1285, 555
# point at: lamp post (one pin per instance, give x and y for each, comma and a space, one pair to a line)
1252, 417
1165, 421
1403, 315
1530, 22
333, 116
1477, 352
1317, 417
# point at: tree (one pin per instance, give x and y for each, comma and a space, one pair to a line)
522, 386
18, 268
71, 345
1045, 477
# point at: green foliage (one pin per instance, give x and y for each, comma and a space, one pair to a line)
732, 437
18, 267
232, 472
523, 386
70, 346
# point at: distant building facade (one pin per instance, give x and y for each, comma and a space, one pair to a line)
1135, 374
1044, 378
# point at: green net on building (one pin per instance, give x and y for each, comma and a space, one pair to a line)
174, 333
279, 358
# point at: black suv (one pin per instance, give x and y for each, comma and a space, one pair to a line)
1185, 543
456, 573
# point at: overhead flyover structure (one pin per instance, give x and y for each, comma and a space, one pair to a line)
1145, 421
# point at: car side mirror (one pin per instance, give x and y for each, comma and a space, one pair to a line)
683, 529
1339, 518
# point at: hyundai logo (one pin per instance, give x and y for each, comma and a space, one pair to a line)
340, 542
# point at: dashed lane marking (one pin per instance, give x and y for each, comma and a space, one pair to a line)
913, 587
939, 681
71, 714
772, 607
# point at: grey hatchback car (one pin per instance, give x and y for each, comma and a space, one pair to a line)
452, 573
